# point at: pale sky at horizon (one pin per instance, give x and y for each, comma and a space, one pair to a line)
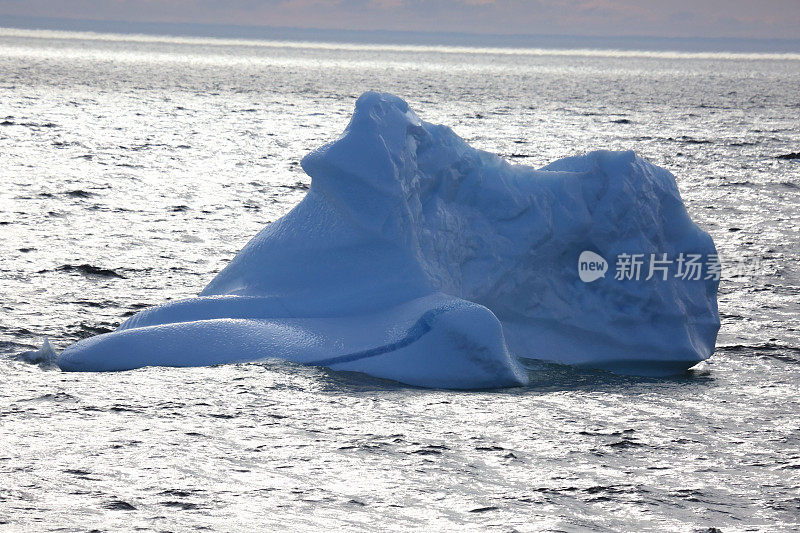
676, 18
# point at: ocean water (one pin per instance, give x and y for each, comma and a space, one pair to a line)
134, 167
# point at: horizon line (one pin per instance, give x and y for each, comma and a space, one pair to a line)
622, 43
355, 46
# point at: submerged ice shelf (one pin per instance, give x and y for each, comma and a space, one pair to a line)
418, 258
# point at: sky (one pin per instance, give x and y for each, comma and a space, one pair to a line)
659, 18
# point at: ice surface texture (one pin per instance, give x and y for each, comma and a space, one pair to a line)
418, 258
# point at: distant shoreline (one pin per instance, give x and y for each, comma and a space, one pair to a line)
459, 41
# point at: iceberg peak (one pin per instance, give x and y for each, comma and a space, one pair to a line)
372, 156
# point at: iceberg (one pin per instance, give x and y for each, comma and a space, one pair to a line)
417, 258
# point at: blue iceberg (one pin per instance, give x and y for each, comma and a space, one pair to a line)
417, 258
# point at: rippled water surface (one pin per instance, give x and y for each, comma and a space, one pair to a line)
134, 169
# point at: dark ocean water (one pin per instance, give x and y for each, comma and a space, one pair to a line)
134, 168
